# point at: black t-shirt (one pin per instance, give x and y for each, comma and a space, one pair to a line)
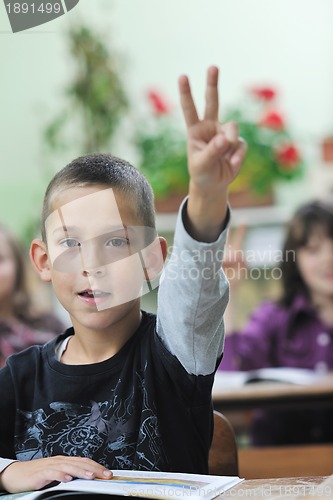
139, 409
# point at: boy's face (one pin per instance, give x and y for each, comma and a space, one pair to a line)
97, 254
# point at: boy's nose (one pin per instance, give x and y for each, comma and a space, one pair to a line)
92, 262
98, 272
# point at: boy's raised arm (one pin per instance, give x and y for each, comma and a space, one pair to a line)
194, 291
215, 153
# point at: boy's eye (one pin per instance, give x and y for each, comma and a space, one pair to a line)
70, 243
117, 242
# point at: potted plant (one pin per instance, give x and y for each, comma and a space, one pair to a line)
327, 149
95, 97
272, 153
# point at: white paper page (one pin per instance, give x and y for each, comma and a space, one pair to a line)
153, 484
236, 379
299, 376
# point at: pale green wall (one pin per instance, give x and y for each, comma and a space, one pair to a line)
288, 43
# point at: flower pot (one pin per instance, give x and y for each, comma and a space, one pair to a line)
246, 198
327, 150
170, 203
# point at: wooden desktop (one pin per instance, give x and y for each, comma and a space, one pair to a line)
272, 394
281, 488
284, 488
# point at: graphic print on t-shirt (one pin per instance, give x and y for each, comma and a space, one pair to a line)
117, 433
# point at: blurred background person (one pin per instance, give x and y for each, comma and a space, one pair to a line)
294, 331
20, 324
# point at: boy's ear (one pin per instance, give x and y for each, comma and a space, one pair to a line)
39, 258
154, 257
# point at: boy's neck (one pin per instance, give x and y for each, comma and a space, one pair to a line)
89, 346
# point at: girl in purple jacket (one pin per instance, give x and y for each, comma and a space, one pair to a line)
295, 331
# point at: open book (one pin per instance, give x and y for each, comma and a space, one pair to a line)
230, 379
156, 485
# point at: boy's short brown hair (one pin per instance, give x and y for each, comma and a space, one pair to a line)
103, 169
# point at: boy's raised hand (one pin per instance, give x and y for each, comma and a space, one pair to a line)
215, 154
215, 151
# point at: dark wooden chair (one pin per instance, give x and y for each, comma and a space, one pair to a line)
223, 457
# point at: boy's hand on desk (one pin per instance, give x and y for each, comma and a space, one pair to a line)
36, 474
215, 154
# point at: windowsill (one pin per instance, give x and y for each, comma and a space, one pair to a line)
252, 216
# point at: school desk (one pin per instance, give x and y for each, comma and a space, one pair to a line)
294, 488
272, 394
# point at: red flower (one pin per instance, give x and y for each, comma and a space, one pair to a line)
160, 107
288, 156
265, 93
272, 120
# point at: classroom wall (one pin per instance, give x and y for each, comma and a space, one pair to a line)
288, 44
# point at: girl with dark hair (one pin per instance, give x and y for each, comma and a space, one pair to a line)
295, 331
20, 325
310, 238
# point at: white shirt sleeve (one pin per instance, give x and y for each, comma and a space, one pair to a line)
4, 462
192, 298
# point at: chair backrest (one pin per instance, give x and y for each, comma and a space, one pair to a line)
223, 457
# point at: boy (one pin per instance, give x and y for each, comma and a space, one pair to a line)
122, 388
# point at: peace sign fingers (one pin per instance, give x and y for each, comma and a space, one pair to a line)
186, 101
214, 150
212, 98
214, 156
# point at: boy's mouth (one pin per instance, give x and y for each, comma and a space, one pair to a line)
94, 295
